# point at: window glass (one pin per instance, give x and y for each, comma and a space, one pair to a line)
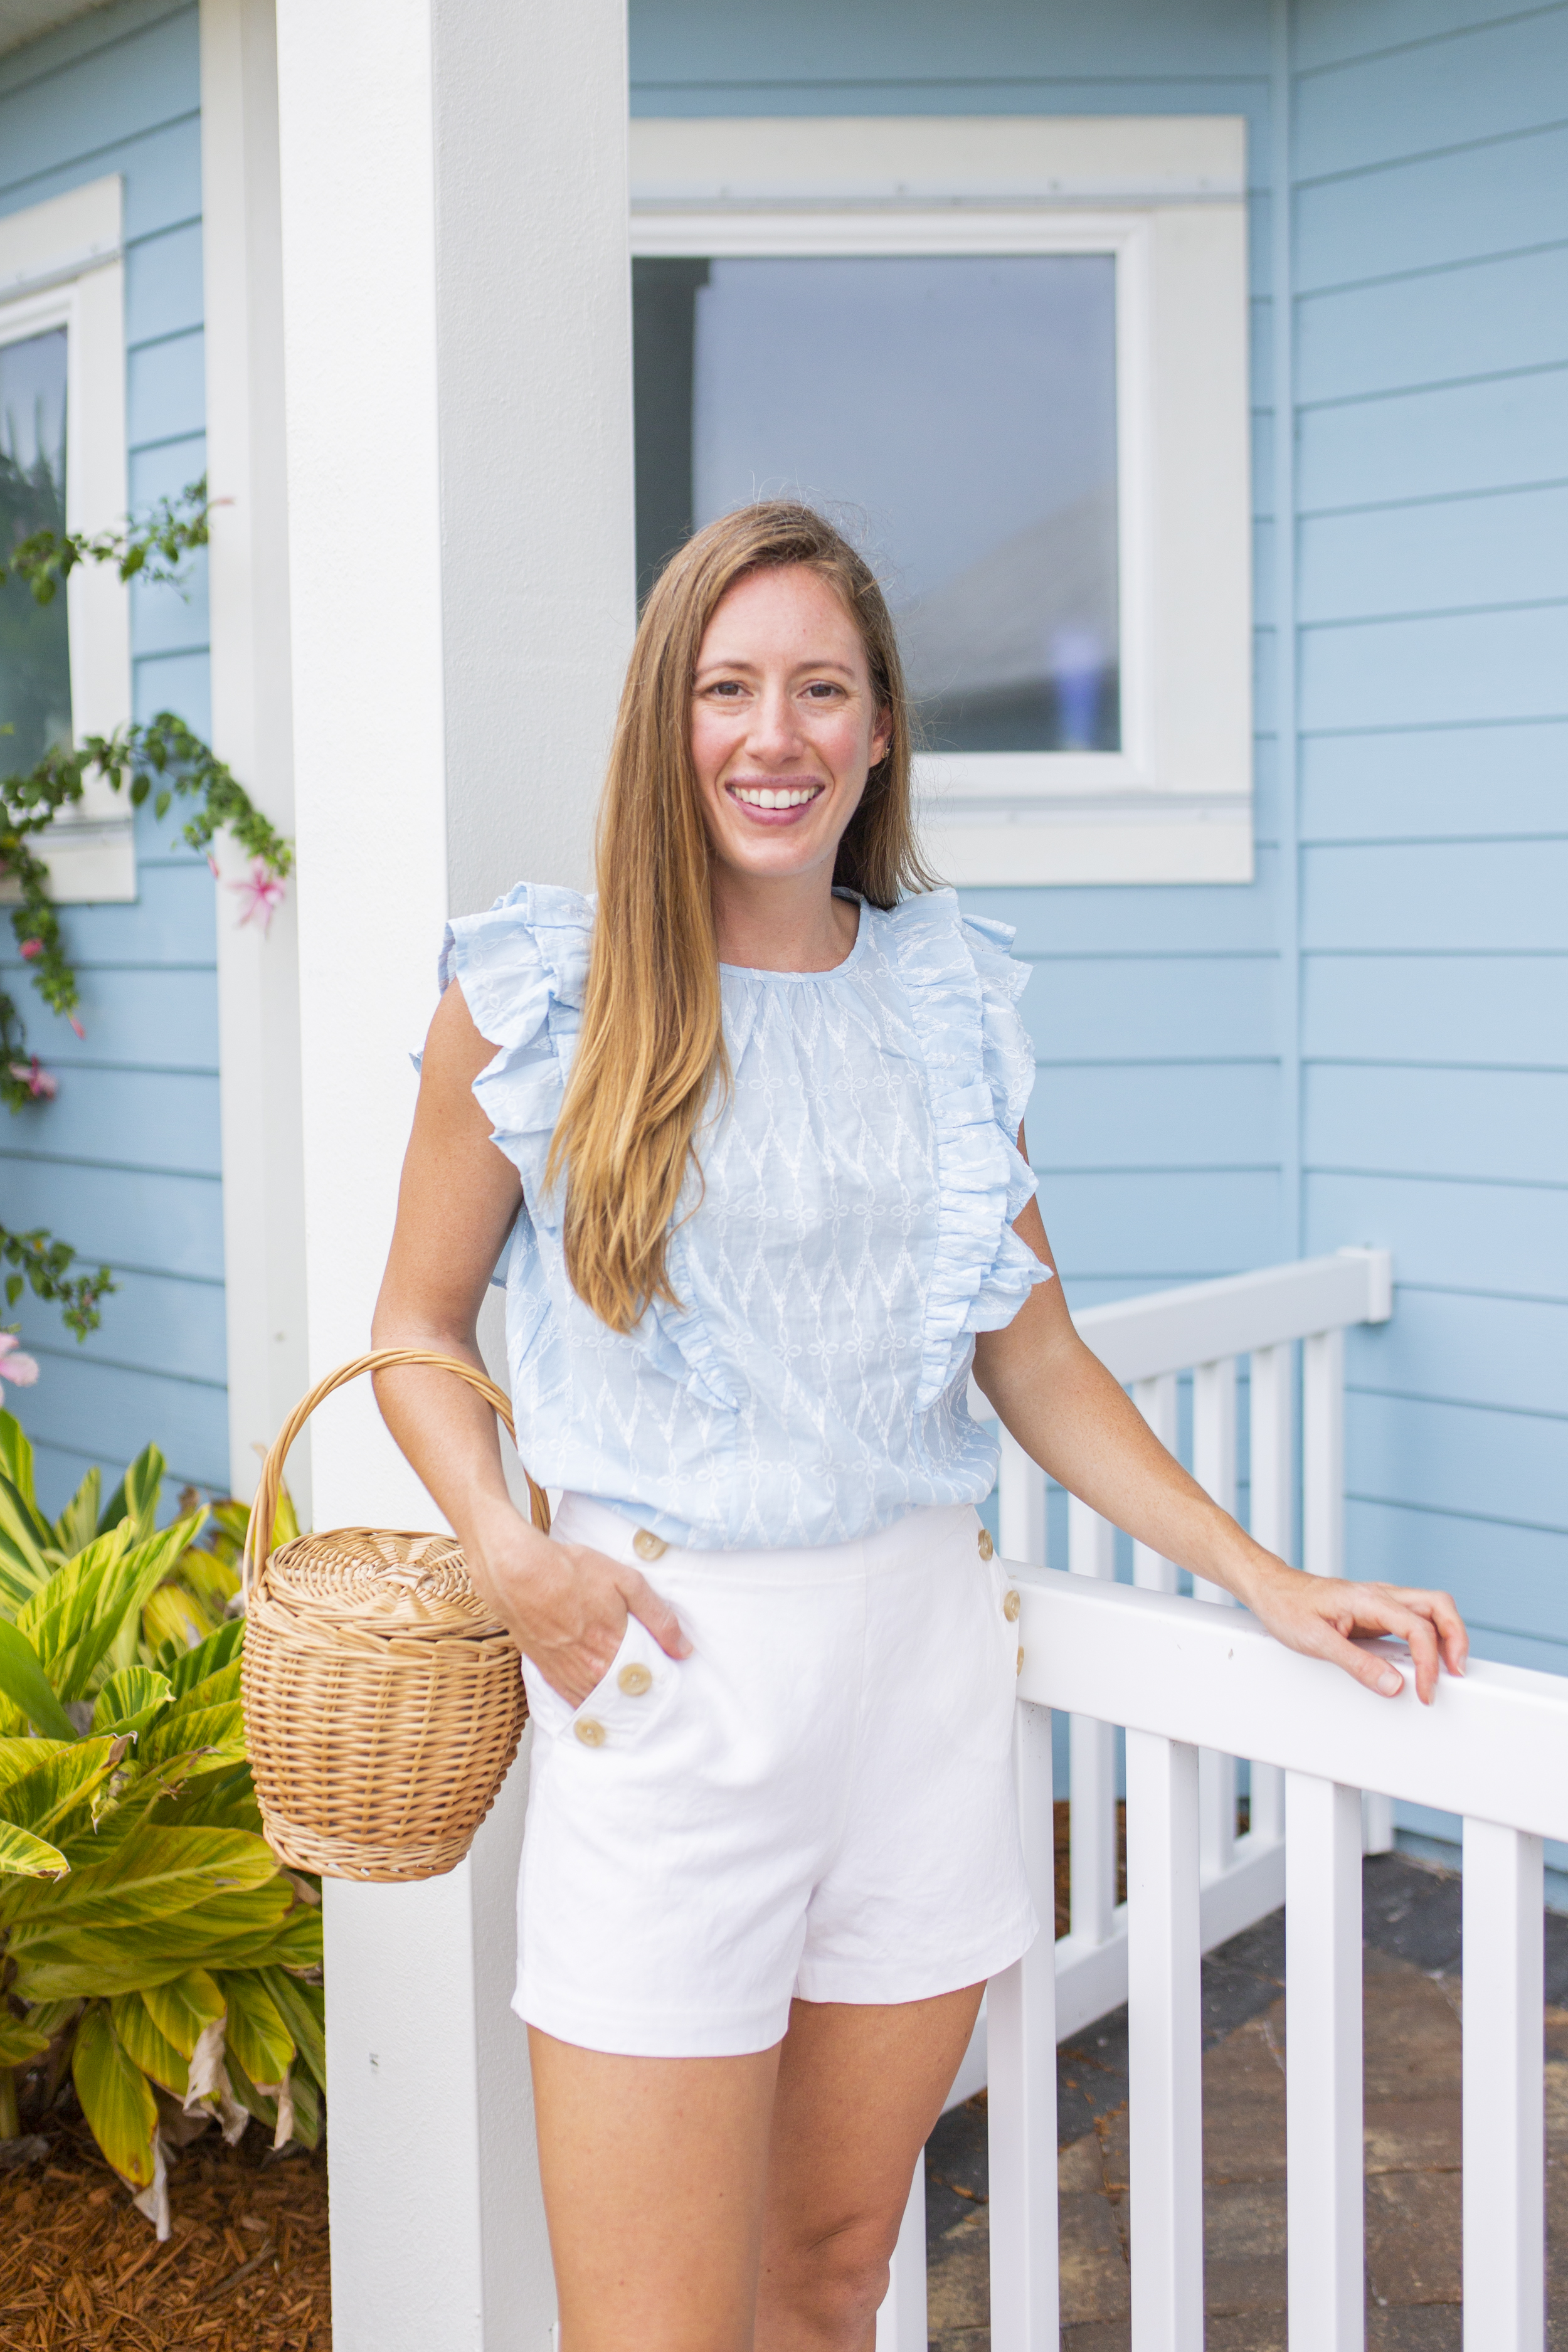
955, 416
35, 648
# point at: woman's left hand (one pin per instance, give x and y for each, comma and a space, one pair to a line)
1322, 1615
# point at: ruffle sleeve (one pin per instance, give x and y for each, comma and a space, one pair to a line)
523, 967
962, 988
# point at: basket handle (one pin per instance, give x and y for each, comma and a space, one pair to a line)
264, 1510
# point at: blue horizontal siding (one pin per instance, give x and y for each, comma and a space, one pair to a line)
1472, 1459
1335, 33
1428, 783
134, 1014
1510, 1010
1447, 669
1151, 1230
163, 283
1509, 1353
1442, 442
1442, 895
1478, 318
159, 1222
1502, 1127
1129, 1007
1503, 548
1476, 82
1154, 1115
1446, 1232
1435, 212
125, 1162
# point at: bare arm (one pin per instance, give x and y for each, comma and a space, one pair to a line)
1072, 1417
566, 1605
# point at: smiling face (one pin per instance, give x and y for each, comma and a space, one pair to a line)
784, 725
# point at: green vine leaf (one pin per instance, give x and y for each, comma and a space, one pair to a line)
162, 750
43, 1265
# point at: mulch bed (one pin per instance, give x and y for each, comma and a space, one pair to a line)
244, 2271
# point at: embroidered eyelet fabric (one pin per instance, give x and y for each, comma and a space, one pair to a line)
852, 1232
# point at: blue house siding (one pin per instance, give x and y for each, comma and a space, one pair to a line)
1433, 597
125, 1163
1366, 1044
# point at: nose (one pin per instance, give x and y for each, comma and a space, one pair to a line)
774, 736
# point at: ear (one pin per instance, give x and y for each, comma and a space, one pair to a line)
881, 737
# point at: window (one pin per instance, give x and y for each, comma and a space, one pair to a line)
65, 668
1009, 357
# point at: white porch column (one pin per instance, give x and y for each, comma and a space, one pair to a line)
457, 347
258, 974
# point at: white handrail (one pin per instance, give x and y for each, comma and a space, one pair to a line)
1170, 1330
1493, 1747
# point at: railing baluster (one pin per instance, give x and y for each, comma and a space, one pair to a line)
1164, 2045
1021, 1504
1021, 2107
1156, 1401
1323, 2063
1271, 1469
1504, 2104
1213, 1468
902, 2323
1093, 1752
1324, 1454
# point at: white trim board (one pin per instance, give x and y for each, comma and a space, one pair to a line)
60, 266
1166, 196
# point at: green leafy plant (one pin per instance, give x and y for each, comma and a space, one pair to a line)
151, 1943
162, 759
38, 1262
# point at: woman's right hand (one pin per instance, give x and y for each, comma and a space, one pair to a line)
564, 1604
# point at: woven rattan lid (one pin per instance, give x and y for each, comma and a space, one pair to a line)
379, 1581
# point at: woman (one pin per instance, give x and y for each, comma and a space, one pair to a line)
754, 1125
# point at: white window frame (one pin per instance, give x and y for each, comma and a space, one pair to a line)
1166, 196
60, 266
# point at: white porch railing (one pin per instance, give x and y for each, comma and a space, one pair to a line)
1150, 1343
1190, 1685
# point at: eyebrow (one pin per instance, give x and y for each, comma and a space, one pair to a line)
844, 670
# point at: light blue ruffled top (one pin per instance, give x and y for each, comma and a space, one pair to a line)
852, 1232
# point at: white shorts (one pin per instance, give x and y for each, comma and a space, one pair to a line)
818, 1801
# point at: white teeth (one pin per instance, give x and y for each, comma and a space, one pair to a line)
768, 796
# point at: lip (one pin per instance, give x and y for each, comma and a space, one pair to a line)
774, 818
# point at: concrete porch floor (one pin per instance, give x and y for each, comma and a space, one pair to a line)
1413, 1997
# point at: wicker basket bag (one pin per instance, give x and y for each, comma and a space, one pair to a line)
383, 1701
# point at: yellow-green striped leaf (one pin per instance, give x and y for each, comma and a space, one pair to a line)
116, 2098
23, 1855
303, 2010
183, 2010
130, 1699
153, 1875
78, 1523
27, 1687
145, 2046
62, 1783
255, 2034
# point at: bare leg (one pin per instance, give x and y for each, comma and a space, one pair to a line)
654, 2174
859, 2089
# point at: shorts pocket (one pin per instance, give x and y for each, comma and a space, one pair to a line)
978, 1680
623, 1706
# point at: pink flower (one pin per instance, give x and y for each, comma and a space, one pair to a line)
37, 1081
263, 894
31, 948
211, 866
20, 1370
76, 1025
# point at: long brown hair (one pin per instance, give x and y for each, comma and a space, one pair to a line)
651, 1048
